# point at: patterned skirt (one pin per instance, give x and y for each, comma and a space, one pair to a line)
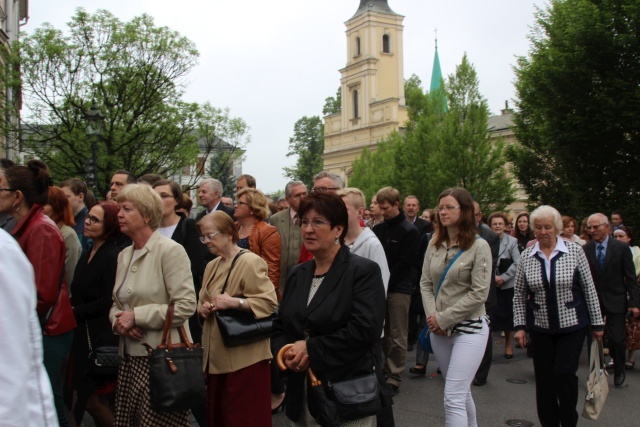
133, 407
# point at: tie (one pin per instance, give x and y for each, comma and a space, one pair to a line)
600, 256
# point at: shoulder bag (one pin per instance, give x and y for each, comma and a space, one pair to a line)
424, 339
103, 360
597, 385
176, 381
238, 327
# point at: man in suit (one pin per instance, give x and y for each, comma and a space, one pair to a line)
614, 275
210, 195
411, 209
494, 243
286, 223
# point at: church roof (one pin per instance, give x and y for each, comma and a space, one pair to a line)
436, 73
501, 122
380, 6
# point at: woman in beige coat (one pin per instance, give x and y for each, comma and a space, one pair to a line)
238, 377
152, 273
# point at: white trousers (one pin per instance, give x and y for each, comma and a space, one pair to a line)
459, 357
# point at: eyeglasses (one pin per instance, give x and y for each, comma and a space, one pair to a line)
208, 237
315, 223
93, 220
166, 196
324, 189
593, 227
447, 208
242, 203
7, 189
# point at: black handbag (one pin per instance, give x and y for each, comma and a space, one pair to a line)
503, 265
238, 327
176, 381
103, 360
357, 397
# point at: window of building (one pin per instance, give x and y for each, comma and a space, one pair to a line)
357, 46
386, 43
355, 105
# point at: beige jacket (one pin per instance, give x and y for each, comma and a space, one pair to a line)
465, 288
249, 279
161, 275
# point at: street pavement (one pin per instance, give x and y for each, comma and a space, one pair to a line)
419, 402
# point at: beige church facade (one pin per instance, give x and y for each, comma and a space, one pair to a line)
372, 82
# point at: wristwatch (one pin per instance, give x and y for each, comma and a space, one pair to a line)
241, 301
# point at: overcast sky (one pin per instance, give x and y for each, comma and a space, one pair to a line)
272, 62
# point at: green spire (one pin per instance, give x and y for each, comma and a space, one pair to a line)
436, 77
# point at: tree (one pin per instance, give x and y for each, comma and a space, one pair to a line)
374, 170
135, 71
333, 105
307, 143
578, 116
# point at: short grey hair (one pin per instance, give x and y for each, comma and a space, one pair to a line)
289, 187
213, 184
603, 218
546, 211
337, 180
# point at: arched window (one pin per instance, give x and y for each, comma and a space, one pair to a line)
355, 105
386, 44
357, 46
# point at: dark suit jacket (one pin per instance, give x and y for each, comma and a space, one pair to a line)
230, 211
343, 322
187, 235
494, 243
616, 279
423, 226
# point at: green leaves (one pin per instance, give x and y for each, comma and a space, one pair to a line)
307, 143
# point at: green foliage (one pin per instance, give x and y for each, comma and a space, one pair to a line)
441, 147
578, 116
333, 104
307, 143
135, 72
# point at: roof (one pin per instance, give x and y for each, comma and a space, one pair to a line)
380, 6
501, 122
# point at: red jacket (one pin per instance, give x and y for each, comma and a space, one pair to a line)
43, 245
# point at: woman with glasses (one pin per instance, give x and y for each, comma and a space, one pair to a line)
332, 311
91, 291
152, 273
456, 276
237, 377
24, 190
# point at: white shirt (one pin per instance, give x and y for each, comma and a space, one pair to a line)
168, 231
26, 398
560, 247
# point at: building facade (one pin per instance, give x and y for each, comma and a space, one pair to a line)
372, 83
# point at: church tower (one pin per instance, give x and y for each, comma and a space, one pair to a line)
372, 83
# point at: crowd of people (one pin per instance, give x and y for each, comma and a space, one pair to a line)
349, 286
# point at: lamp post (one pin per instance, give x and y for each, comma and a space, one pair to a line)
95, 123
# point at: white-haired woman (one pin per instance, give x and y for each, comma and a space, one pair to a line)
555, 291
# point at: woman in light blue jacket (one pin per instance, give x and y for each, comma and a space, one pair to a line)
506, 267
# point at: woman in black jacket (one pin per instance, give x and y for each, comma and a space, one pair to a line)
91, 290
332, 309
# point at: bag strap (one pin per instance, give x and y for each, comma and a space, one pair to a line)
166, 336
446, 270
224, 287
88, 336
597, 353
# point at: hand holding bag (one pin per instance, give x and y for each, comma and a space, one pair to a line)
176, 381
597, 384
424, 338
238, 327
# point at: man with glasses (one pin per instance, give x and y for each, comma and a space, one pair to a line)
286, 223
327, 181
399, 239
611, 265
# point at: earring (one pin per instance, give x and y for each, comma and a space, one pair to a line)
15, 208
337, 241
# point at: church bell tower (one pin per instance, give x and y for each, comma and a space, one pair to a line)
372, 82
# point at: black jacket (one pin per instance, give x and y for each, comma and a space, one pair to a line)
343, 321
399, 239
187, 235
616, 279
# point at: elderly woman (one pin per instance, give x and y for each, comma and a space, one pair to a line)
456, 276
555, 300
254, 233
59, 210
237, 376
91, 299
569, 227
152, 273
24, 191
332, 310
506, 267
